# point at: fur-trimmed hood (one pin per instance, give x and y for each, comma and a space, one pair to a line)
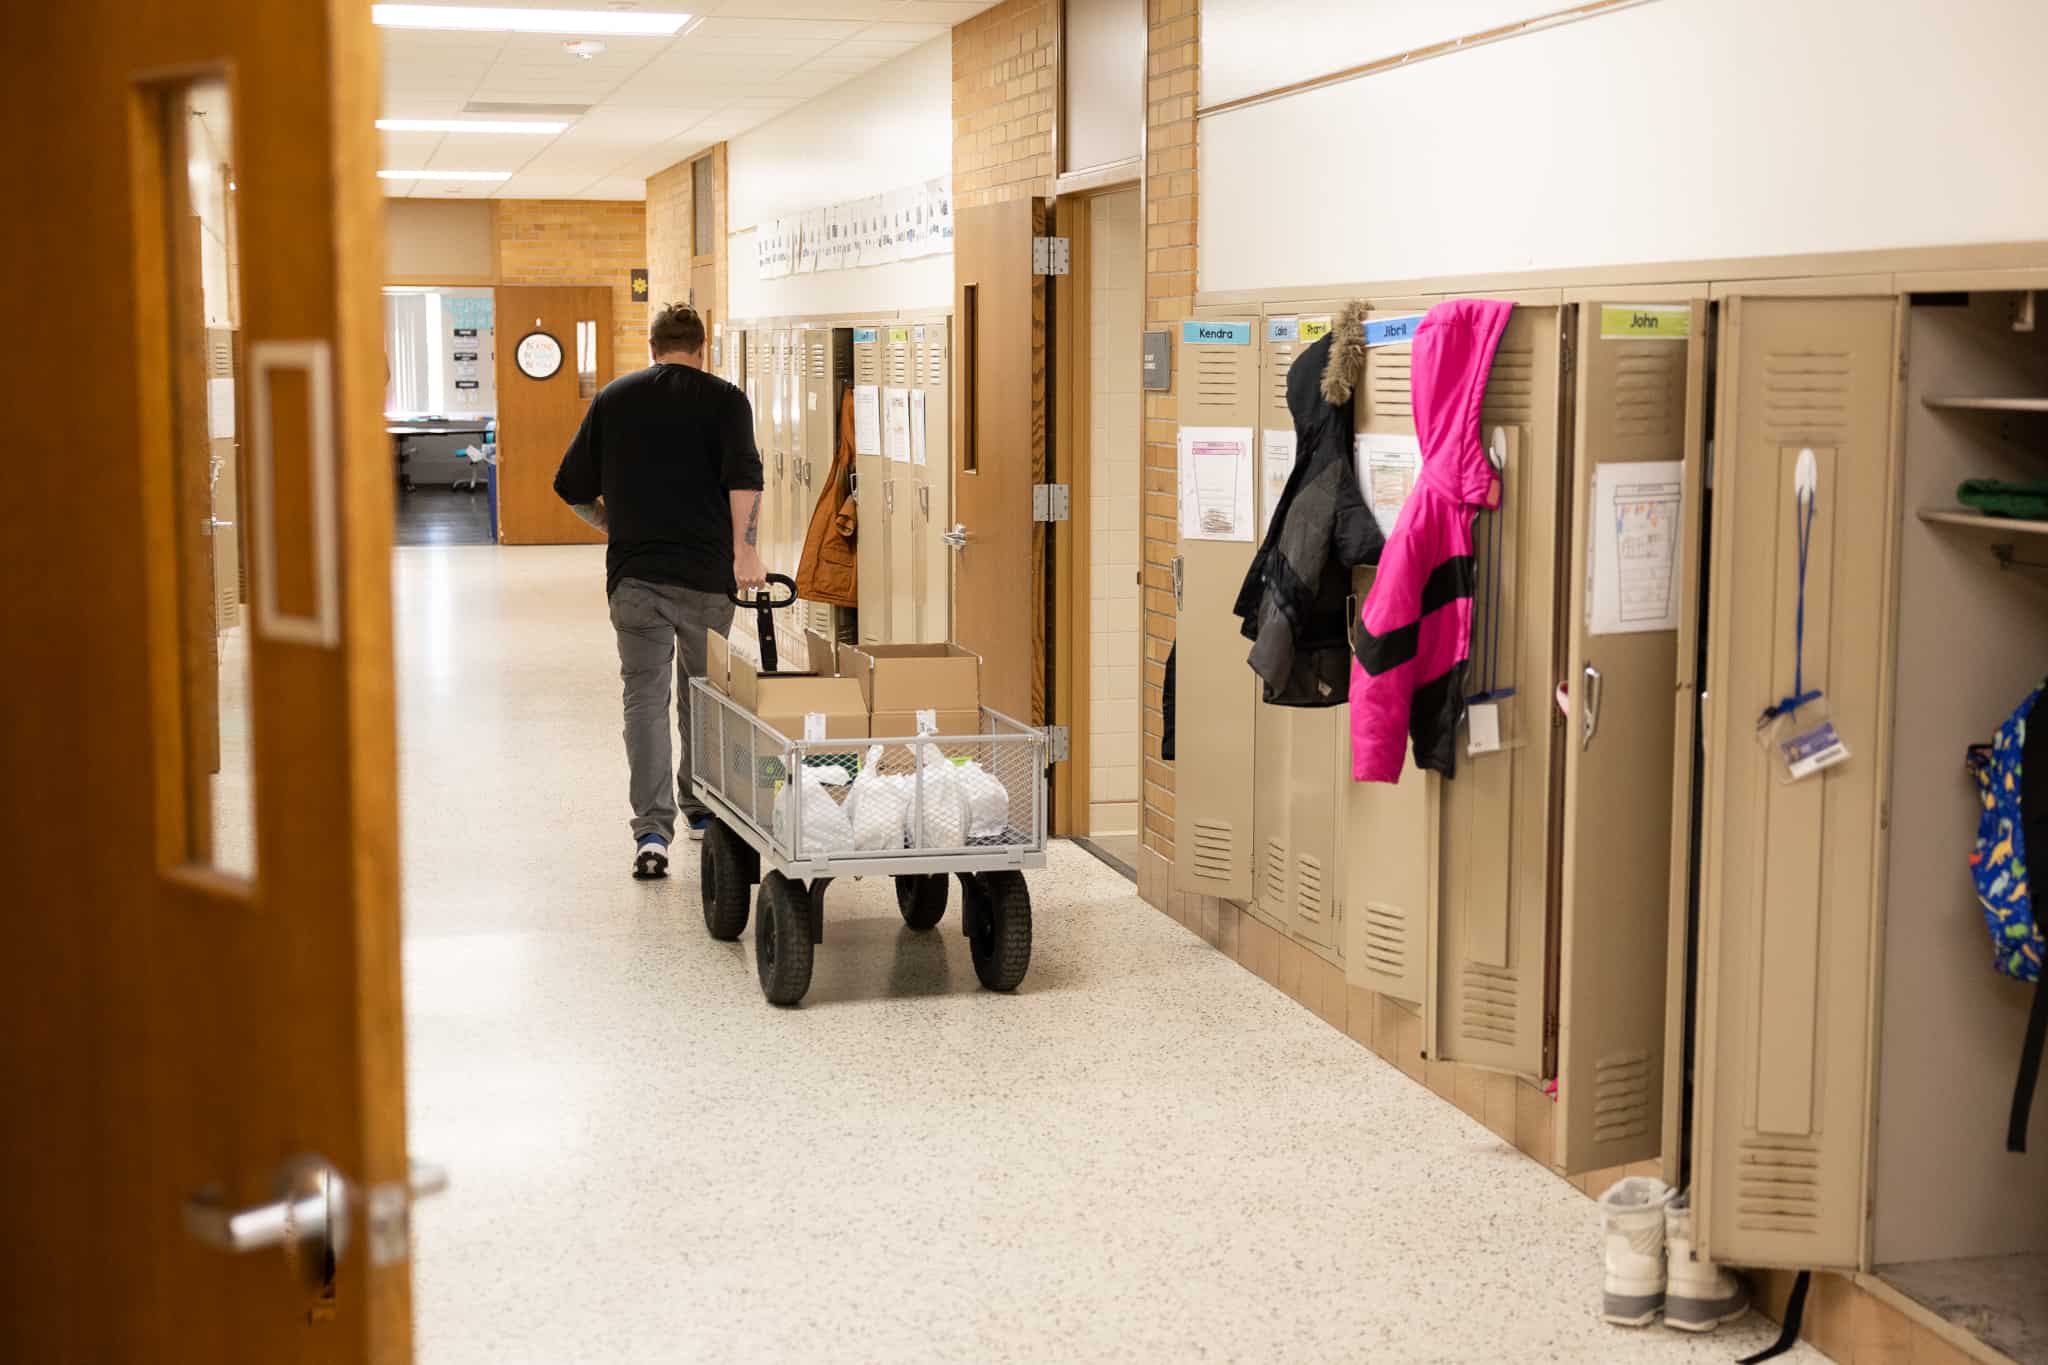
1346, 365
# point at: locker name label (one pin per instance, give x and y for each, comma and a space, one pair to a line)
899, 334
1392, 331
861, 334
1307, 331
1215, 334
1645, 321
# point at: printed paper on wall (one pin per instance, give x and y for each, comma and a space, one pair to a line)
1216, 483
867, 419
1632, 582
1388, 466
896, 424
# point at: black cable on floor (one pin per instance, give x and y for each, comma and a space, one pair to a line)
1795, 1309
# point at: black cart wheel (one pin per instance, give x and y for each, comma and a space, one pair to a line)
998, 916
722, 883
782, 939
922, 900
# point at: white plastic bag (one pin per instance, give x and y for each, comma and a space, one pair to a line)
825, 826
945, 812
878, 805
988, 800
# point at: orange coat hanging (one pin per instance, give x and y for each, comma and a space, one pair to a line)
829, 571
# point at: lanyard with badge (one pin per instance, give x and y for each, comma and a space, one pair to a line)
1796, 733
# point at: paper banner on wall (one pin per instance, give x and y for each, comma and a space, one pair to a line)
1216, 483
917, 434
1388, 465
1276, 462
1632, 583
896, 424
867, 419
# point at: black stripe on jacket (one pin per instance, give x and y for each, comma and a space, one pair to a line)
1450, 581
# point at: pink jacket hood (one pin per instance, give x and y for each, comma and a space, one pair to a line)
1453, 354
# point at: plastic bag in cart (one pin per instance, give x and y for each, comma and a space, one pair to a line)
988, 800
947, 811
878, 805
825, 826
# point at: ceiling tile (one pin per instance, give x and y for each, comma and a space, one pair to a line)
903, 33
864, 10
820, 30
861, 47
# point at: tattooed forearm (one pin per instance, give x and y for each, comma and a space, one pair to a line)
754, 522
746, 519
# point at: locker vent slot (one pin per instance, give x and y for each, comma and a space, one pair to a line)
1511, 389
867, 366
1276, 873
220, 353
1215, 842
817, 360
1386, 379
899, 368
1778, 1185
1308, 901
1806, 395
1644, 388
1282, 357
1621, 1096
1490, 1004
1215, 380
227, 608
1386, 938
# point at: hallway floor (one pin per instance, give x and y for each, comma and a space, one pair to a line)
1146, 1154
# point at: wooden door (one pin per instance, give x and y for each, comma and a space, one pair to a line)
538, 416
999, 570
1790, 892
1640, 442
172, 1032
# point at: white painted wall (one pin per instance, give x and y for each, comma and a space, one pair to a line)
1674, 130
889, 128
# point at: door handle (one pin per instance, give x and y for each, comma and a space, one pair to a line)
957, 537
308, 1218
209, 525
1592, 707
924, 500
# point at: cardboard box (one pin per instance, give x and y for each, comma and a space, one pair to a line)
898, 679
784, 701
718, 661
903, 724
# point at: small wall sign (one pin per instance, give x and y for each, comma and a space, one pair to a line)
1155, 369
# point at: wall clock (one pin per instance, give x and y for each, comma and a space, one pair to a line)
538, 355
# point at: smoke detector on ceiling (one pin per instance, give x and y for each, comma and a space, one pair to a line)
586, 48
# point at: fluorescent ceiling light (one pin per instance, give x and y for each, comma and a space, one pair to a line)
492, 19
444, 175
456, 125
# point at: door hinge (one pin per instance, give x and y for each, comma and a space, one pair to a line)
1179, 577
1058, 740
1049, 502
1051, 256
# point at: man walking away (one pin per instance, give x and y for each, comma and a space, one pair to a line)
665, 465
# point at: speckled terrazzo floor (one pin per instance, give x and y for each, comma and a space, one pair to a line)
1147, 1154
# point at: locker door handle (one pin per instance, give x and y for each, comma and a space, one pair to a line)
924, 500
1592, 707
957, 537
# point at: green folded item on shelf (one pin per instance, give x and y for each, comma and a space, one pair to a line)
1996, 499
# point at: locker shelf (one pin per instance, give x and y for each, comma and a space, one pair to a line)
1963, 516
1967, 404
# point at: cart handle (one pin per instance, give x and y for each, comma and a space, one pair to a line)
763, 602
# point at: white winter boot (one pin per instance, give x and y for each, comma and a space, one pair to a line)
1701, 1295
1633, 1211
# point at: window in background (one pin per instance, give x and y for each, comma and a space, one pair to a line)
438, 342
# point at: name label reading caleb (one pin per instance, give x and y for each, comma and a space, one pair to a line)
1215, 334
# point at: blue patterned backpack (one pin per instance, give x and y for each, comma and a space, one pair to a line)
2012, 781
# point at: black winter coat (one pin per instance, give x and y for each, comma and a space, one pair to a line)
1295, 602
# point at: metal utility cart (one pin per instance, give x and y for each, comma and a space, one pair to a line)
972, 806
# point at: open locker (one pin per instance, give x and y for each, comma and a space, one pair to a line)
827, 361
1634, 501
1215, 693
872, 491
1490, 986
931, 447
903, 547
1300, 755
1391, 834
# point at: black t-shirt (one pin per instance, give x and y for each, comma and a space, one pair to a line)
665, 446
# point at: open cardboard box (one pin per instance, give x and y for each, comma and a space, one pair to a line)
900, 681
787, 698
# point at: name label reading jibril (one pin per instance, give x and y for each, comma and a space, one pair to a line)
1215, 334
1392, 331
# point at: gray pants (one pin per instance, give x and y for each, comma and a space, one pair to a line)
658, 623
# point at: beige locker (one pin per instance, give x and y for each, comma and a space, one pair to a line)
905, 559
874, 496
1216, 693
1789, 892
1392, 834
1494, 899
1639, 411
224, 463
932, 376
1299, 755
827, 368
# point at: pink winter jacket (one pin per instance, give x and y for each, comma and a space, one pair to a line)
1408, 664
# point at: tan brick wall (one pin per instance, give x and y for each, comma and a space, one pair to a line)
1169, 296
1005, 93
579, 241
671, 206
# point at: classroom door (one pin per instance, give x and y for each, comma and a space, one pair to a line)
999, 559
554, 354
201, 1030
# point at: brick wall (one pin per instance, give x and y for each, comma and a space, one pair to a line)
671, 206
579, 241
1005, 93
1169, 296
